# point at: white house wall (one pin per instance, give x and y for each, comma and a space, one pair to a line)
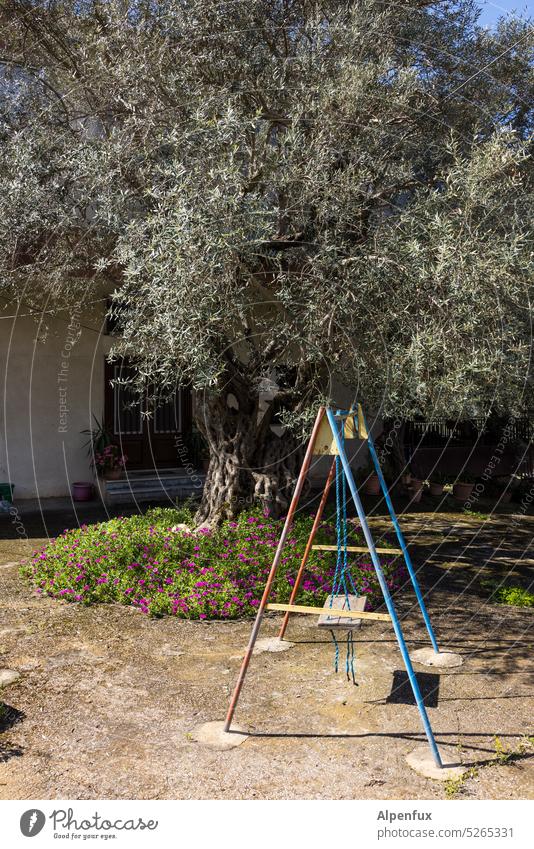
49, 391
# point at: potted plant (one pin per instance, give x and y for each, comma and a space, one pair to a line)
437, 483
463, 487
110, 462
415, 489
502, 488
197, 448
413, 482
107, 459
99, 438
369, 483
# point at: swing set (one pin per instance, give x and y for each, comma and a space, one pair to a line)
345, 606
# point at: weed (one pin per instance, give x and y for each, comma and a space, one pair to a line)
473, 514
502, 755
456, 786
512, 595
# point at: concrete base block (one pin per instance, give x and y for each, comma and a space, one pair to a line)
428, 657
422, 762
8, 676
211, 734
272, 644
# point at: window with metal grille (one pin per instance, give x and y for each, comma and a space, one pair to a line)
167, 415
127, 418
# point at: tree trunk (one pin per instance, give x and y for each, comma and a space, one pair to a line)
277, 464
250, 465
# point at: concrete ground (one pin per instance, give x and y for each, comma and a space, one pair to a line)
107, 699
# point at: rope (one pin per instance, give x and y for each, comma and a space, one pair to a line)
342, 571
336, 656
349, 665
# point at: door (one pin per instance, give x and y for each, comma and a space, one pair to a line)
148, 442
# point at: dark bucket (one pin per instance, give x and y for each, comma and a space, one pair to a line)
6, 492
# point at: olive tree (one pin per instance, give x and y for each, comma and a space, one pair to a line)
279, 195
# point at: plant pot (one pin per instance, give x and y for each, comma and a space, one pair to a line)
462, 491
82, 491
114, 475
436, 489
415, 490
371, 485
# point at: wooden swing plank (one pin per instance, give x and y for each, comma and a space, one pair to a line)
319, 611
363, 549
356, 605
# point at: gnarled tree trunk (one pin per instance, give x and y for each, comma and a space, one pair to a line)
250, 463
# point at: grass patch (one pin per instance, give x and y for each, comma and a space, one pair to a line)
142, 561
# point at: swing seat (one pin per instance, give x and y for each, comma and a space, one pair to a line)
339, 602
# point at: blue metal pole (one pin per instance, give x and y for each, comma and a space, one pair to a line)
384, 587
402, 541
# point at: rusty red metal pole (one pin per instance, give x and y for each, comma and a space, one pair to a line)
305, 556
276, 560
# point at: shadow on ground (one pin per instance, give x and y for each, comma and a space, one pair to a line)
108, 697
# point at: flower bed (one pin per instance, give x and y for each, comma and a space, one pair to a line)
143, 562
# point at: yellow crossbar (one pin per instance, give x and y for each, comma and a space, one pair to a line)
357, 548
330, 611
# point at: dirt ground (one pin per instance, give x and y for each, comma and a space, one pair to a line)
107, 698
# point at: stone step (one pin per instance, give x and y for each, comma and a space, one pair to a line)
152, 488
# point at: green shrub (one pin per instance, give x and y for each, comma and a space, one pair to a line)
515, 596
142, 561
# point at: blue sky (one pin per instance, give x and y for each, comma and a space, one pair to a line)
492, 11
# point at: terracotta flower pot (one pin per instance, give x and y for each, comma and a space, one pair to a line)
462, 491
436, 489
415, 490
371, 485
82, 491
113, 475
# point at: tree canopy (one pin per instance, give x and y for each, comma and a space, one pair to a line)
278, 193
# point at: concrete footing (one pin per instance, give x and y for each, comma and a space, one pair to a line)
211, 734
422, 762
8, 676
272, 644
428, 657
